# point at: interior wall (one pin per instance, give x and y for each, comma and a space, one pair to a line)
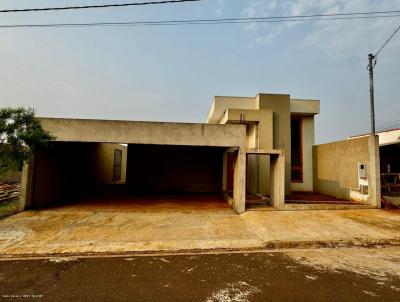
103, 163
61, 171
174, 169
307, 154
69, 171
336, 166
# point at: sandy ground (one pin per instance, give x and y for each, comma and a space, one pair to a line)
167, 225
343, 274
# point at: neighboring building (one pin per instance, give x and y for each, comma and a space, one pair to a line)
250, 145
389, 150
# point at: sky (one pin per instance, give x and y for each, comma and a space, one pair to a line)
171, 73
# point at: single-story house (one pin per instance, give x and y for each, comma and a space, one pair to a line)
261, 145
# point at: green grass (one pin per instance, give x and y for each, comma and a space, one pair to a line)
9, 209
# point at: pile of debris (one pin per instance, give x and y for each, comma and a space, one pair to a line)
9, 192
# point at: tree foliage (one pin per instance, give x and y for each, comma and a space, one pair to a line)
20, 134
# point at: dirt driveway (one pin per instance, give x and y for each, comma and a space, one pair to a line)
174, 225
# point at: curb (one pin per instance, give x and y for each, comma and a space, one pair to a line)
268, 247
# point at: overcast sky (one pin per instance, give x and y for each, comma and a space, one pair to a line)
172, 73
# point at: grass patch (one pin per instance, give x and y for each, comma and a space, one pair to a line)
9, 209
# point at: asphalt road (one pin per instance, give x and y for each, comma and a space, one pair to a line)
240, 277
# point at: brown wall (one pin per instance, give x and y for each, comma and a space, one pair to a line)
336, 166
61, 171
160, 169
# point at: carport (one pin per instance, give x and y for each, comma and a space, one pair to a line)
162, 158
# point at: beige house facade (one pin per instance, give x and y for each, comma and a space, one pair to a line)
273, 122
249, 146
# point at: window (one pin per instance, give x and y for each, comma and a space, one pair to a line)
117, 165
297, 154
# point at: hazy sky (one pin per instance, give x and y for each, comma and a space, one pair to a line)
171, 73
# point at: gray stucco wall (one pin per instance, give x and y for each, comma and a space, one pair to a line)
77, 130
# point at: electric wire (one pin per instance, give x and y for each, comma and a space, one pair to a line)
304, 18
95, 6
387, 42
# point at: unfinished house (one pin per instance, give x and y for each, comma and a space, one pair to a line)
252, 152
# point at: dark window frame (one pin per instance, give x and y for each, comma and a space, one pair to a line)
117, 166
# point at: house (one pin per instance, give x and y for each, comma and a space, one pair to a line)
273, 122
259, 146
389, 150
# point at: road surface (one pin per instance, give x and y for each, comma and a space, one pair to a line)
292, 275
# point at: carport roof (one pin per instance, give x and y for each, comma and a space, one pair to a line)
136, 132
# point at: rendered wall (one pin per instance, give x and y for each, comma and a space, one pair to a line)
130, 132
336, 167
174, 169
259, 135
280, 105
103, 163
68, 171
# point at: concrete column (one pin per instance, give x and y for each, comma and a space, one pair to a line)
25, 199
278, 181
373, 172
239, 182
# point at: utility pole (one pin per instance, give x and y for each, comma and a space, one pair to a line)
371, 58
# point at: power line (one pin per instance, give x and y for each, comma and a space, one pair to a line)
387, 42
94, 6
327, 17
390, 127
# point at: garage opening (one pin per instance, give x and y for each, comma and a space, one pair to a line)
107, 175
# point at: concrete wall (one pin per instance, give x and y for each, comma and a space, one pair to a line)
308, 142
77, 130
221, 103
103, 163
68, 171
280, 105
259, 135
174, 169
336, 168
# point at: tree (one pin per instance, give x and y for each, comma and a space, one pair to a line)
20, 135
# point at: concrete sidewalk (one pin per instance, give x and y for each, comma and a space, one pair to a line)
77, 230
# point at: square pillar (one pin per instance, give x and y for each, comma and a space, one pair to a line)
25, 199
239, 182
278, 180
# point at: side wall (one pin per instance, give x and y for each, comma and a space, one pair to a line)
336, 168
174, 169
103, 159
67, 171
